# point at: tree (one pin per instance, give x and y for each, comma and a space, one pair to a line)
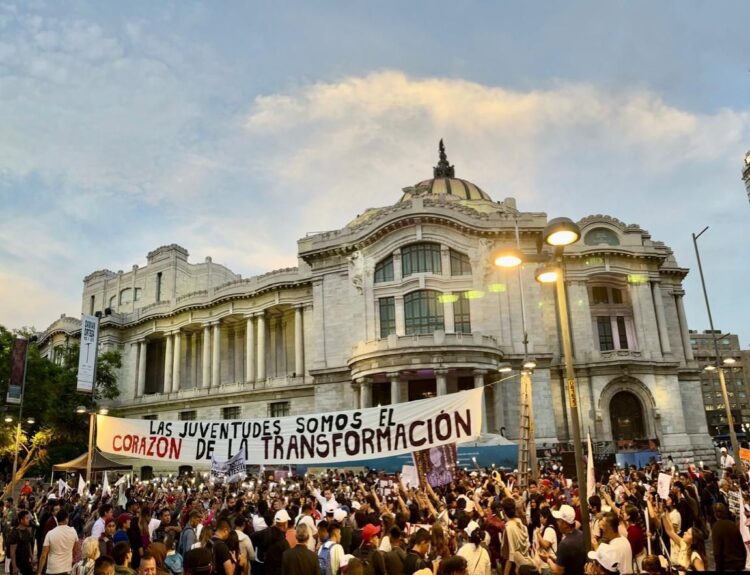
50, 397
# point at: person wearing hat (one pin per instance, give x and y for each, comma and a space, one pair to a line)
368, 553
271, 543
726, 460
123, 524
477, 557
609, 525
603, 561
571, 551
299, 560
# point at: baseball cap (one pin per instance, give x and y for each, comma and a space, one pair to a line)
123, 517
328, 508
723, 449
339, 515
566, 513
606, 556
471, 527
281, 516
369, 531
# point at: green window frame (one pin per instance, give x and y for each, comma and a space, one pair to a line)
423, 312
421, 258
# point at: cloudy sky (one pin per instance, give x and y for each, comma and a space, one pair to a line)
234, 128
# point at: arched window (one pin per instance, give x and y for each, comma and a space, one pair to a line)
612, 316
626, 415
126, 296
138, 294
601, 236
384, 270
113, 301
423, 312
419, 258
460, 264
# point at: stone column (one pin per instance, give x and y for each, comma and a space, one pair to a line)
661, 319
238, 377
194, 360
168, 361
479, 382
216, 356
441, 376
365, 392
143, 346
134, 348
299, 352
206, 376
250, 349
448, 317
445, 260
640, 329
683, 326
261, 367
398, 303
395, 378
176, 371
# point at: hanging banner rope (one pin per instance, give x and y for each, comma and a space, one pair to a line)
315, 438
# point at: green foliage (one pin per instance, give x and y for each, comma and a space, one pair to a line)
50, 397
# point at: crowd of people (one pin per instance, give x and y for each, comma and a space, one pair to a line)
334, 523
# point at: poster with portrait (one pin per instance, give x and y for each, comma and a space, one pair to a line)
437, 464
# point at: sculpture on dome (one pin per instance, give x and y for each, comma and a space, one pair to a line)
443, 169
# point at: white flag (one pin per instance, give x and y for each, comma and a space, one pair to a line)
81, 485
106, 492
590, 476
122, 481
62, 487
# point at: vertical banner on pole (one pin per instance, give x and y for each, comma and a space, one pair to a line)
87, 355
17, 370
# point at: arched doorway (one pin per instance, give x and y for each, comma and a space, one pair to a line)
626, 415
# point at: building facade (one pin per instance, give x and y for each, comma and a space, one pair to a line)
404, 303
736, 377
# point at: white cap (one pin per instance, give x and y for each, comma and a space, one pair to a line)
339, 515
566, 513
281, 516
356, 505
471, 527
328, 508
723, 449
606, 555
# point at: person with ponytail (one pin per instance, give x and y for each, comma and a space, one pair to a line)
477, 557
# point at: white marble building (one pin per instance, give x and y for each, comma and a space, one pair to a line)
403, 303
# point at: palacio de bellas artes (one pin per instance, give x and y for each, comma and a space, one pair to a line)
409, 301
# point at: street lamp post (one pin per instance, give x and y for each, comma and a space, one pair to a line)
559, 233
719, 364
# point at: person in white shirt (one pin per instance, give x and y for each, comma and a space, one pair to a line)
477, 557
326, 502
726, 459
620, 546
58, 547
334, 549
105, 514
305, 518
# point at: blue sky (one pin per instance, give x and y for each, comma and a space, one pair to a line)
234, 128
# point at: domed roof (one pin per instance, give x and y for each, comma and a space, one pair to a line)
445, 182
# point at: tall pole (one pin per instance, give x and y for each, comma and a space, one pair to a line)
92, 424
719, 366
20, 415
562, 306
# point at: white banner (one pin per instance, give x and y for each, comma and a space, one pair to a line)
87, 357
231, 470
342, 436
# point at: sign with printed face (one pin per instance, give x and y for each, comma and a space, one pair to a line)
342, 436
87, 354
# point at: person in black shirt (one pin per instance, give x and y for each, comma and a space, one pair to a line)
571, 552
21, 544
419, 545
223, 563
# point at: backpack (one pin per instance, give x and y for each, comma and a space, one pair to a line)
173, 563
324, 557
181, 546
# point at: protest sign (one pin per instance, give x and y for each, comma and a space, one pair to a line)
745, 454
436, 465
409, 476
231, 470
663, 484
734, 502
87, 353
315, 438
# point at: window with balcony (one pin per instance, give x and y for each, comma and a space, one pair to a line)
279, 409
460, 264
387, 313
423, 312
462, 314
230, 412
420, 258
384, 270
187, 415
